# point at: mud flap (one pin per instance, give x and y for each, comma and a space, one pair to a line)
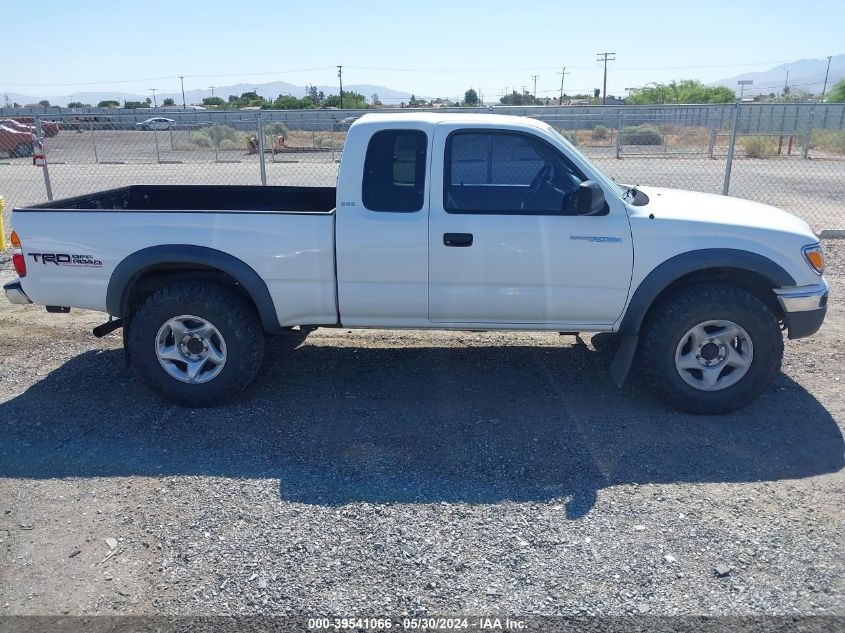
621, 364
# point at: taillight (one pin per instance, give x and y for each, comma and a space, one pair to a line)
17, 256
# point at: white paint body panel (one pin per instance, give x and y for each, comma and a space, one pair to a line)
522, 272
552, 271
293, 253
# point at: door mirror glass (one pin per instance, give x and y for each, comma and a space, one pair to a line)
591, 199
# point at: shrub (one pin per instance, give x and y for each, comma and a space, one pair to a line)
829, 141
218, 135
570, 135
275, 129
599, 133
758, 146
641, 135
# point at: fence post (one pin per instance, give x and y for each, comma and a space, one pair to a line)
158, 154
619, 134
332, 135
805, 152
40, 136
261, 165
731, 145
94, 142
714, 130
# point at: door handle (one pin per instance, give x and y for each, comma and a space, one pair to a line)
457, 239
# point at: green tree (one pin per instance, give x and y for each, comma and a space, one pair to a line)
168, 101
374, 100
288, 102
471, 97
108, 103
352, 100
317, 97
79, 104
213, 102
837, 93
685, 91
44, 103
130, 105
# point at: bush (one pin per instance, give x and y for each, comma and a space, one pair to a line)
829, 141
599, 133
641, 135
758, 146
218, 135
569, 135
275, 129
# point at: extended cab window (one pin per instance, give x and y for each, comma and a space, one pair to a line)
394, 171
504, 172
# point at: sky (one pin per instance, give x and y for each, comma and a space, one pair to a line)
432, 48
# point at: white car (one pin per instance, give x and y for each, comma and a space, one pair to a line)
438, 221
155, 123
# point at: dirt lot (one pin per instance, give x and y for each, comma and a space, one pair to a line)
374, 472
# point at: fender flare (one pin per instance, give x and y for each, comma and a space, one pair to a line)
126, 273
671, 270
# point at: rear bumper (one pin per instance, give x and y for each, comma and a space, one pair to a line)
15, 294
804, 308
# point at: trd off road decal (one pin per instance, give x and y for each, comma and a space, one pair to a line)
65, 259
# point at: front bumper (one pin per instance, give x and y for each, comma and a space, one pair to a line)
804, 308
15, 294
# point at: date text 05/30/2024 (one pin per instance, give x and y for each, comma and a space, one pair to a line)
417, 624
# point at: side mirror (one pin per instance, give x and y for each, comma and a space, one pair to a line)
590, 199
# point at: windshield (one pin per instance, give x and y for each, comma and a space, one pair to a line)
604, 178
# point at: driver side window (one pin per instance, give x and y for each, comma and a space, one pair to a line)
502, 172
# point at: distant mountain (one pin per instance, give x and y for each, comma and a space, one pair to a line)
806, 75
267, 90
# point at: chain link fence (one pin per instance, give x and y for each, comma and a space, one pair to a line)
791, 156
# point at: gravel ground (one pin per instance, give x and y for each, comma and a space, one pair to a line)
372, 472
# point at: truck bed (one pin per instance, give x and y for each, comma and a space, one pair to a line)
198, 199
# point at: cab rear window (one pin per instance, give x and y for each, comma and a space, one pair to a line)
394, 171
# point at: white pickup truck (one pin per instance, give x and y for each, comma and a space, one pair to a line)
438, 221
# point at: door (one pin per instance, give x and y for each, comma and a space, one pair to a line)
506, 247
382, 228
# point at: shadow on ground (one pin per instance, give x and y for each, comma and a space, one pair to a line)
473, 424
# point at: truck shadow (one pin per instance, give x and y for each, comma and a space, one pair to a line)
415, 425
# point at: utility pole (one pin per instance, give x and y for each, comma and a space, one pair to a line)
563, 75
826, 73
212, 90
605, 57
786, 83
182, 81
535, 78
153, 90
340, 78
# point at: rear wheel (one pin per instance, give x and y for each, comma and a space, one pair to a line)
710, 348
196, 344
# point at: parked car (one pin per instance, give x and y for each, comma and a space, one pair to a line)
155, 123
48, 128
438, 221
16, 142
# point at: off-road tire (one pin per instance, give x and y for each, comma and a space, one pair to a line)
669, 320
232, 315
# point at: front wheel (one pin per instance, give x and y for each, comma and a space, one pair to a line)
196, 344
710, 348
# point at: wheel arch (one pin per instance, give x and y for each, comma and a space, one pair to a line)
750, 271
153, 267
